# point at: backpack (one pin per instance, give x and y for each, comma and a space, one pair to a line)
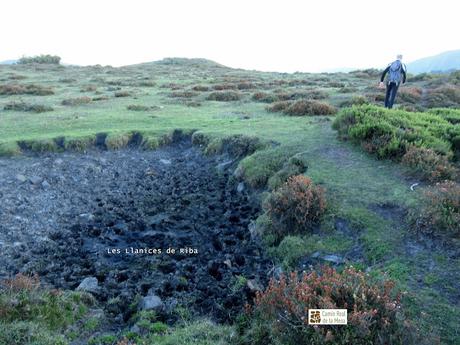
395, 72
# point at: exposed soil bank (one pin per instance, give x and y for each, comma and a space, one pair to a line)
73, 216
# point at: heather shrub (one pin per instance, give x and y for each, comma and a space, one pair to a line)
200, 88
25, 89
440, 212
280, 313
23, 106
429, 164
278, 106
40, 59
245, 85
100, 98
295, 206
139, 107
389, 132
226, 86
264, 97
224, 96
307, 107
449, 114
122, 94
310, 94
183, 94
88, 88
76, 101
447, 96
410, 94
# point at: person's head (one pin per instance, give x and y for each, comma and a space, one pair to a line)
399, 57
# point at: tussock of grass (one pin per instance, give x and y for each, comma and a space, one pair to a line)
31, 315
9, 149
79, 143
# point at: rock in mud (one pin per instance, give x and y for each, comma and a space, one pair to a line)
89, 284
151, 302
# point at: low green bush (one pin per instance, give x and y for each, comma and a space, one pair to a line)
388, 132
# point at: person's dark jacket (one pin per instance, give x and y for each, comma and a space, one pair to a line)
403, 71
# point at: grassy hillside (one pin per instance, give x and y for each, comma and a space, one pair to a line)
373, 200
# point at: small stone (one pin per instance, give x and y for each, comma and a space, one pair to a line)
228, 263
240, 187
58, 161
157, 219
277, 272
45, 184
333, 258
86, 217
151, 302
89, 284
223, 165
316, 255
253, 285
165, 161
35, 180
21, 178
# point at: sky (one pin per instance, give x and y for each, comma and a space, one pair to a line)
284, 36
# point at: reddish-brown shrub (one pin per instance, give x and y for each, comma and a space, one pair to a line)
374, 310
441, 209
245, 85
25, 89
183, 94
278, 106
264, 97
200, 88
22, 282
225, 86
122, 94
308, 107
429, 164
296, 205
410, 94
77, 101
224, 96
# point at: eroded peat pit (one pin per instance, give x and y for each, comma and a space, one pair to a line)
73, 216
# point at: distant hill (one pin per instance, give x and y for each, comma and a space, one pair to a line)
192, 62
8, 62
444, 62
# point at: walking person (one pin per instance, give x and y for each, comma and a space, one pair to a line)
396, 74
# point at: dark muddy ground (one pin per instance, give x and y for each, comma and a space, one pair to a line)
73, 216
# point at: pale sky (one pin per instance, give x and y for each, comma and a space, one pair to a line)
283, 36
